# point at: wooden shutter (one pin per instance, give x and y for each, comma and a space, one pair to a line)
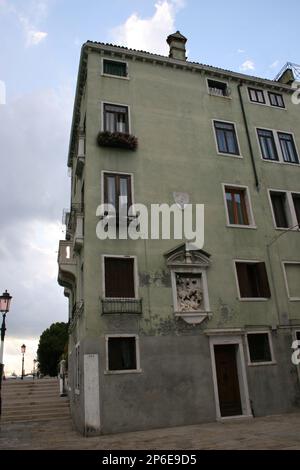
119, 277
243, 278
264, 287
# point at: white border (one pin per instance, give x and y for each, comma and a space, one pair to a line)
265, 92
138, 369
135, 271
103, 102
277, 145
248, 203
283, 263
248, 299
290, 209
190, 271
239, 155
114, 76
266, 363
242, 376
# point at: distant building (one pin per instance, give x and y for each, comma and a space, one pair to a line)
159, 335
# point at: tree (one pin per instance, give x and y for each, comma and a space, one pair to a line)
51, 347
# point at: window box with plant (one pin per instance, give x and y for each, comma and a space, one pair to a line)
117, 139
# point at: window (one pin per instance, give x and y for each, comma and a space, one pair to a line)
288, 148
117, 192
276, 99
77, 370
252, 280
257, 96
237, 210
116, 118
292, 279
226, 138
119, 278
122, 353
189, 292
267, 144
112, 67
280, 209
217, 88
259, 347
296, 201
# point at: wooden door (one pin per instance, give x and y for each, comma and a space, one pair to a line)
228, 381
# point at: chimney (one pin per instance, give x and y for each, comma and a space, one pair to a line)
177, 43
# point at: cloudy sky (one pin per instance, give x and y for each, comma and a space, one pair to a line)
40, 44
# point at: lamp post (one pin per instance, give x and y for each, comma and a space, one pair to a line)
5, 300
23, 351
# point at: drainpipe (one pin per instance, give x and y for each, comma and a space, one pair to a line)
248, 136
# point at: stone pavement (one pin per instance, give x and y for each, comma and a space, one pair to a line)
273, 432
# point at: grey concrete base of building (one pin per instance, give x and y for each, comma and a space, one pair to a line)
179, 380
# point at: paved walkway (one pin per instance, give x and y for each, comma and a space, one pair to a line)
274, 432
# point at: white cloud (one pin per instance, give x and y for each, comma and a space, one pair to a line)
274, 65
247, 65
241, 51
151, 33
34, 14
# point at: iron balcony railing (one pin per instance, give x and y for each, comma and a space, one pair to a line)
119, 306
77, 312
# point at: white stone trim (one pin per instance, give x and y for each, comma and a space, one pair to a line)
135, 271
277, 145
265, 92
226, 82
290, 212
112, 59
247, 202
239, 155
138, 369
284, 263
103, 102
266, 363
242, 376
247, 299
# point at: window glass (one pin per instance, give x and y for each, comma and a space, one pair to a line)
122, 353
259, 347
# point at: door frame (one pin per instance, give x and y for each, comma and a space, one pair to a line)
241, 370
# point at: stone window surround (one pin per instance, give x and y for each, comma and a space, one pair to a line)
112, 59
265, 93
277, 145
292, 217
284, 263
135, 267
138, 369
248, 203
103, 102
248, 299
256, 332
216, 140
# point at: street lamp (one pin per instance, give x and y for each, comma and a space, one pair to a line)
5, 300
23, 351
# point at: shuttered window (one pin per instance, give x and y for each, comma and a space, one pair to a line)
253, 280
119, 278
117, 191
111, 67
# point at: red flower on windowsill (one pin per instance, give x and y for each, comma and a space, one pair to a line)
117, 139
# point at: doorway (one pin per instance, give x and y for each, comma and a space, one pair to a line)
228, 380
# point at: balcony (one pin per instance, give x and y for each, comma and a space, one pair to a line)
120, 306
66, 264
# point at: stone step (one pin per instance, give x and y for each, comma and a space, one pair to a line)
29, 418
33, 407
33, 401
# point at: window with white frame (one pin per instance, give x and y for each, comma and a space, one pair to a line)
276, 99
252, 280
217, 88
285, 207
277, 146
292, 279
260, 348
122, 353
238, 206
115, 68
116, 118
256, 95
119, 275
226, 137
